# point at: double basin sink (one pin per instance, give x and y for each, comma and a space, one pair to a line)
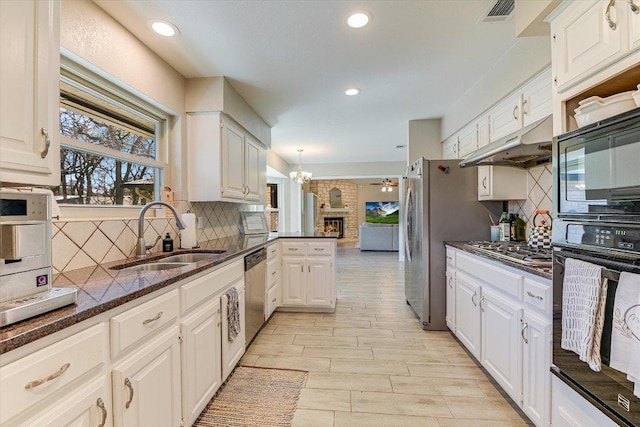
169, 262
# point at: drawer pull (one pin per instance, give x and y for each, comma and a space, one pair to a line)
153, 319
103, 409
274, 300
127, 384
318, 249
36, 383
538, 297
292, 249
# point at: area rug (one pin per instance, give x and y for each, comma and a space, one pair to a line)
256, 397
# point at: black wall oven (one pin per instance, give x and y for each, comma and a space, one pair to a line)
597, 209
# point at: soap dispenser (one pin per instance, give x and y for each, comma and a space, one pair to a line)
167, 243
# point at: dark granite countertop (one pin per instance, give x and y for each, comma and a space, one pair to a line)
538, 271
101, 288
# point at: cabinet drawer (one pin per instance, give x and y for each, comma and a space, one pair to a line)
39, 375
506, 281
201, 289
273, 272
135, 324
273, 251
293, 248
538, 295
319, 248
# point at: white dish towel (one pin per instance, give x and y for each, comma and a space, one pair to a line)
625, 337
583, 301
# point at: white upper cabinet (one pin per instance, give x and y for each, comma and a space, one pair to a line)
467, 140
633, 18
505, 117
586, 37
29, 84
536, 98
483, 131
450, 148
225, 163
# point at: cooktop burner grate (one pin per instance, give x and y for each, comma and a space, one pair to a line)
515, 251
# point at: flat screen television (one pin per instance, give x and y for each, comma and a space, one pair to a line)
382, 212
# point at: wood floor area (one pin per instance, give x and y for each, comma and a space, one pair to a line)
370, 364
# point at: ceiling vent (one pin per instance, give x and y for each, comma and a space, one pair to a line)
501, 11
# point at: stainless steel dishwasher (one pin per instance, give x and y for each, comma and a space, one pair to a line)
255, 279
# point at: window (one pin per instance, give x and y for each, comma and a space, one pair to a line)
110, 152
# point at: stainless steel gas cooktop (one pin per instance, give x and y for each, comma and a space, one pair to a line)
517, 252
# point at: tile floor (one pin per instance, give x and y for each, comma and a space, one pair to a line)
370, 364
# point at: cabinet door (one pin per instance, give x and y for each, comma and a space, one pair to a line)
201, 359
255, 171
294, 281
505, 118
536, 377
450, 148
88, 406
484, 182
536, 98
468, 314
29, 84
451, 300
233, 146
501, 343
319, 281
583, 42
232, 350
483, 131
146, 386
467, 140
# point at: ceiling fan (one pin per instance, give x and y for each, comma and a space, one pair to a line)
387, 184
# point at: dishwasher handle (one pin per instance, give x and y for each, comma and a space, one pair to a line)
254, 259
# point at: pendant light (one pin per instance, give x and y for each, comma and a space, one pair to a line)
300, 177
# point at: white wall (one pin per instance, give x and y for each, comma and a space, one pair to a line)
424, 140
527, 57
354, 170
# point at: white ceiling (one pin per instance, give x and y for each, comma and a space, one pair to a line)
292, 60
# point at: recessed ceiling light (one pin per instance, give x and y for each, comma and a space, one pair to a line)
352, 91
164, 28
358, 19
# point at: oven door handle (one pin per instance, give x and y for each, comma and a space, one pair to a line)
607, 273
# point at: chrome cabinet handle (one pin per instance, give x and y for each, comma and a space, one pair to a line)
524, 107
484, 182
473, 299
309, 268
302, 268
524, 328
607, 15
56, 374
318, 249
292, 249
532, 295
47, 142
273, 273
633, 7
153, 319
515, 110
481, 307
274, 300
127, 384
100, 404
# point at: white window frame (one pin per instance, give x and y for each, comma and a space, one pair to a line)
75, 74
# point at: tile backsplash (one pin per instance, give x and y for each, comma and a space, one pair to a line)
540, 195
85, 243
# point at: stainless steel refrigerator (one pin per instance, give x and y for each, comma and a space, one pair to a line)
441, 204
310, 201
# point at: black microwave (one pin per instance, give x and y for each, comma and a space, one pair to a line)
597, 171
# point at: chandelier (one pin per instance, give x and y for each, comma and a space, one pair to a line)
387, 185
299, 176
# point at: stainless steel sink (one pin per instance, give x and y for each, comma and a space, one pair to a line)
193, 257
155, 266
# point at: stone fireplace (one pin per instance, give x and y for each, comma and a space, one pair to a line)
334, 224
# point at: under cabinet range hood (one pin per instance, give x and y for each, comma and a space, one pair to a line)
529, 147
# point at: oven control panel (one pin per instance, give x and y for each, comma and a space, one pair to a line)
611, 237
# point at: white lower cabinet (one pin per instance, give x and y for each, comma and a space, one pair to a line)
146, 385
451, 300
536, 377
500, 344
232, 349
201, 359
88, 406
274, 299
503, 317
468, 294
294, 289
